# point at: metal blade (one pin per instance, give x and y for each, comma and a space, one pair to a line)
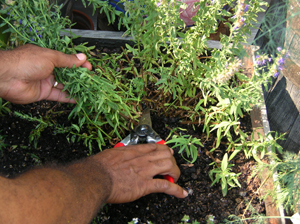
146, 118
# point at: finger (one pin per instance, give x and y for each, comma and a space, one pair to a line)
62, 60
59, 96
172, 151
59, 86
158, 167
157, 154
164, 186
87, 65
153, 150
135, 151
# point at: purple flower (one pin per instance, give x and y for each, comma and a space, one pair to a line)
246, 8
20, 21
280, 67
276, 74
29, 29
270, 59
286, 55
40, 36
279, 49
257, 56
31, 38
281, 61
243, 19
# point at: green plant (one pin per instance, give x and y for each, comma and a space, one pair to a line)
185, 219
3, 107
180, 74
188, 144
224, 176
254, 218
286, 184
101, 101
210, 219
2, 144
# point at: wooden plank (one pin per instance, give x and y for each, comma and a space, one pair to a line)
295, 95
260, 124
293, 141
283, 103
281, 109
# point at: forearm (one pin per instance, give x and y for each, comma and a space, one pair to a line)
55, 195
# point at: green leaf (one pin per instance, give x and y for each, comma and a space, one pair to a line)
224, 163
76, 127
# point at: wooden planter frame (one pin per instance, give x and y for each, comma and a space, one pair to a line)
260, 124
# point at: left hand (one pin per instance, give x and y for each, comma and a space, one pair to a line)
26, 74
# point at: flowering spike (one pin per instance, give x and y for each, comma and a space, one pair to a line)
246, 8
281, 61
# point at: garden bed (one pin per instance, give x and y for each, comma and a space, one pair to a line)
194, 91
204, 199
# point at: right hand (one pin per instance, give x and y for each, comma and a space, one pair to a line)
132, 169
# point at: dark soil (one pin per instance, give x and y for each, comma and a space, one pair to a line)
19, 155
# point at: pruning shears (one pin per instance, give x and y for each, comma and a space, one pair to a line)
143, 133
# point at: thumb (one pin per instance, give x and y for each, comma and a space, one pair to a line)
61, 60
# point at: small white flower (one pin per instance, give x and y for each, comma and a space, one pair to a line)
135, 220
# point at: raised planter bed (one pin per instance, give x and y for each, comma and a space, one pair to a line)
204, 200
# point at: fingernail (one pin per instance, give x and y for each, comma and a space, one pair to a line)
80, 56
185, 193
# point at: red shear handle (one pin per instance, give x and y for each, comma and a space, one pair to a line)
161, 142
167, 177
120, 144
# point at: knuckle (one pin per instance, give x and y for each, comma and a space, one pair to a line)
162, 185
168, 163
160, 163
168, 154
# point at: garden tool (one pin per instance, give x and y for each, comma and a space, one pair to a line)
143, 133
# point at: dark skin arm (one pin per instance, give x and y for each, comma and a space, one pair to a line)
73, 193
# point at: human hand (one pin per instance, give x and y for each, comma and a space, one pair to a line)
26, 74
132, 169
